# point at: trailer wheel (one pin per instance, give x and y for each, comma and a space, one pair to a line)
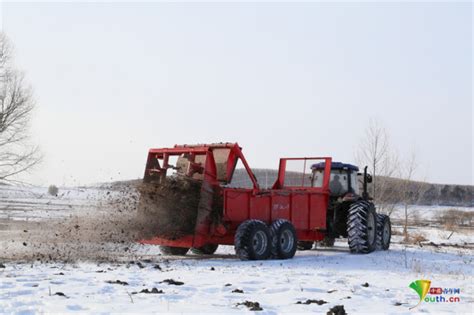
207, 249
304, 245
284, 240
384, 231
174, 251
361, 227
253, 240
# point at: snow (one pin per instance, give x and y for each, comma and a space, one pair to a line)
329, 274
276, 285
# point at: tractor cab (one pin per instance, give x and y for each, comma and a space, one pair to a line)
343, 180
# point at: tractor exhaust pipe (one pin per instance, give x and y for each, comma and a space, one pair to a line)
367, 179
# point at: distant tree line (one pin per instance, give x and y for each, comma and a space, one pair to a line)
421, 193
395, 191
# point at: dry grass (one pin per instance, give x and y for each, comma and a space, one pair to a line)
452, 218
416, 238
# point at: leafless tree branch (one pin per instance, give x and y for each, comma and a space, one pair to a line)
376, 152
17, 155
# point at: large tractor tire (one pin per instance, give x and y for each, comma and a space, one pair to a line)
174, 251
284, 240
207, 249
305, 245
384, 231
362, 227
253, 240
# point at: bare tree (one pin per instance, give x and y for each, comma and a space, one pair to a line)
410, 191
17, 155
376, 152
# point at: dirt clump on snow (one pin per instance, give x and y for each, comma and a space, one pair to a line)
337, 310
311, 301
252, 306
117, 282
152, 291
172, 282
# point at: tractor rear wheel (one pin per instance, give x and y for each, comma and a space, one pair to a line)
253, 240
284, 240
305, 245
174, 251
384, 231
207, 249
362, 227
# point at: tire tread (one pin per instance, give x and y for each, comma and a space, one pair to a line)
357, 235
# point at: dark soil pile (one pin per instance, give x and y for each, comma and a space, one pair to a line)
168, 209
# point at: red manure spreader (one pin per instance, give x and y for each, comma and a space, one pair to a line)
199, 199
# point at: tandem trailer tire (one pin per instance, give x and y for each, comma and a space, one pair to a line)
253, 240
284, 240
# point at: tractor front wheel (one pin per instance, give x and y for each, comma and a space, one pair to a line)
362, 227
174, 251
253, 240
384, 231
284, 240
207, 249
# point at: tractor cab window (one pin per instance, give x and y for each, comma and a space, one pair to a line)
338, 183
318, 176
355, 183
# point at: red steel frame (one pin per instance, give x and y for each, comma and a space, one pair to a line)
305, 207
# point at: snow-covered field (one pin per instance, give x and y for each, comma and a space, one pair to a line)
331, 275
34, 203
424, 213
374, 283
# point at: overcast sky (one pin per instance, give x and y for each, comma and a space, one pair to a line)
112, 80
